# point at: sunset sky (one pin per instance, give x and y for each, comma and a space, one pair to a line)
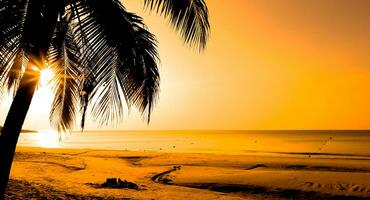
269, 64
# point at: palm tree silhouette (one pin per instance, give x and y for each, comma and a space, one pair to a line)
102, 56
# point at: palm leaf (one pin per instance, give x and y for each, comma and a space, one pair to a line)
190, 17
15, 72
12, 19
64, 59
122, 58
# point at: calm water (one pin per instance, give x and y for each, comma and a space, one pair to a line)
304, 143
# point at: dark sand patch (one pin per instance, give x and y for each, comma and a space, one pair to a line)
24, 190
163, 176
331, 155
65, 166
256, 166
65, 161
326, 168
309, 168
135, 160
276, 193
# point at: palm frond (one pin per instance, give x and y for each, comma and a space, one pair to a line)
88, 85
63, 58
122, 58
15, 72
190, 17
12, 18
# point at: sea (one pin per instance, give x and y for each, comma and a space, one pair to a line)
310, 143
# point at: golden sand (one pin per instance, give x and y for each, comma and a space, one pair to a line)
71, 174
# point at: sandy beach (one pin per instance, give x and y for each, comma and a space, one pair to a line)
74, 174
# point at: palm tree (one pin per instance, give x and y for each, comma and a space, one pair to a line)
102, 56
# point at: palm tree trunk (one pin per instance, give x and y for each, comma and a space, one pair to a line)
39, 26
14, 121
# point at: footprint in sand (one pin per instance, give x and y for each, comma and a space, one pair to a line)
313, 185
309, 184
317, 185
355, 188
341, 186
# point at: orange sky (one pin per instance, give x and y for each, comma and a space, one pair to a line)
269, 65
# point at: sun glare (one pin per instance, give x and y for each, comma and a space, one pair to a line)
48, 139
46, 75
44, 94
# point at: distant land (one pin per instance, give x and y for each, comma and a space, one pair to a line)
23, 131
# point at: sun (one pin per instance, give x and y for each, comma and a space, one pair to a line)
44, 94
46, 75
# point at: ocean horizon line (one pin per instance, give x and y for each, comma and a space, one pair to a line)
209, 130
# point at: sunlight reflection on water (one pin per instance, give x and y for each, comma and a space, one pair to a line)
47, 139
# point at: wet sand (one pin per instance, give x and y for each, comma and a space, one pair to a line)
69, 174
